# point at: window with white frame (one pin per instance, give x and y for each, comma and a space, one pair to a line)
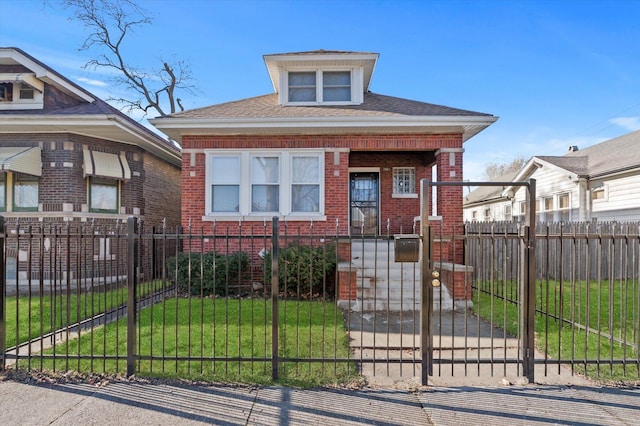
487, 214
507, 212
336, 86
564, 207
599, 193
252, 183
404, 180
305, 184
225, 184
302, 86
265, 184
474, 215
319, 86
26, 92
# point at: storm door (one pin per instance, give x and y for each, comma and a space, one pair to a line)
364, 195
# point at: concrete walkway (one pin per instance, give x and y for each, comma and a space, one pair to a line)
139, 403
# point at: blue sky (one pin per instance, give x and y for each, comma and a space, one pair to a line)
557, 73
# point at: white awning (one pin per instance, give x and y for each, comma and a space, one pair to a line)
21, 160
107, 165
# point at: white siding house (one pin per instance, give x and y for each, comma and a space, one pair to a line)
487, 203
601, 182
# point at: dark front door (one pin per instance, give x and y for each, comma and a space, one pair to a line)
364, 197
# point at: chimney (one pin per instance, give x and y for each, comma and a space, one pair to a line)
573, 148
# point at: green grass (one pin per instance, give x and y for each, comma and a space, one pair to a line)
223, 328
30, 317
575, 321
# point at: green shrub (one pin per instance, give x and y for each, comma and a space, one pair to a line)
304, 269
208, 273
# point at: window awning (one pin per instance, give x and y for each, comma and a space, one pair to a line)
21, 160
103, 164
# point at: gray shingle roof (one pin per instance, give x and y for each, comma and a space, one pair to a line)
266, 106
487, 193
616, 154
574, 164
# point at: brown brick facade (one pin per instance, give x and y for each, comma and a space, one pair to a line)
152, 193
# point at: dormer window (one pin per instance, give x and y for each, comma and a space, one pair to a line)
21, 91
26, 92
320, 87
5, 92
321, 77
336, 86
302, 87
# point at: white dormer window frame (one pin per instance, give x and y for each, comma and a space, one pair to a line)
320, 83
21, 91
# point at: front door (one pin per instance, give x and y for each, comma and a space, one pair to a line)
364, 199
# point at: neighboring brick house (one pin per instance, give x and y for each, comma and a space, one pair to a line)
66, 156
321, 149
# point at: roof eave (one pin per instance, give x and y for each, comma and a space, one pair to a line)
103, 126
469, 126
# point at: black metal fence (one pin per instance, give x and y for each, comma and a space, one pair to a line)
227, 303
587, 291
258, 302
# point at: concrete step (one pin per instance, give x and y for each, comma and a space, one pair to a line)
384, 284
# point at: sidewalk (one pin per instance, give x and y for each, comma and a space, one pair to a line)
138, 403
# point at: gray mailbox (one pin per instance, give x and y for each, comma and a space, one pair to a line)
407, 248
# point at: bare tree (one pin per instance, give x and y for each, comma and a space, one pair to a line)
109, 22
494, 170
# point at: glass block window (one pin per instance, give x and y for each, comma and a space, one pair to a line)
404, 180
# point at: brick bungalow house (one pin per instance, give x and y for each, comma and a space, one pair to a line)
323, 148
66, 156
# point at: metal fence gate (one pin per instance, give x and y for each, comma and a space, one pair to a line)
460, 341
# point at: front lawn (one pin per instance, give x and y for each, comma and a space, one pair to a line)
578, 321
29, 317
222, 340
